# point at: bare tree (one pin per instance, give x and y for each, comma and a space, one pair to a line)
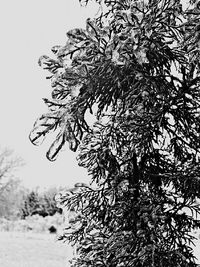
8, 165
9, 184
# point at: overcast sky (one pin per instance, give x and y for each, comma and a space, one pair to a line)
28, 30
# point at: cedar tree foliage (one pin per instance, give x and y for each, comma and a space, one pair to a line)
135, 67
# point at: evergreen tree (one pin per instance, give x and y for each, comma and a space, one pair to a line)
43, 204
31, 205
135, 67
49, 202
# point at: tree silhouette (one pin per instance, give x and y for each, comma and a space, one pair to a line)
135, 68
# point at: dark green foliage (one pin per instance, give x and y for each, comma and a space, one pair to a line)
135, 68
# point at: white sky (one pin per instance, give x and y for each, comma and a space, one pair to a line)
29, 29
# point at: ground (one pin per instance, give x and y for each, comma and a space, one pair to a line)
32, 250
39, 250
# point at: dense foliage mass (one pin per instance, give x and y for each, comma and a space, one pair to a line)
135, 67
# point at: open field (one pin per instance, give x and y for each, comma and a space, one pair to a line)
38, 250
32, 250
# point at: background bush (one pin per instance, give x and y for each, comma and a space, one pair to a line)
34, 223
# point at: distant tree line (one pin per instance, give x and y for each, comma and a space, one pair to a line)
43, 204
17, 201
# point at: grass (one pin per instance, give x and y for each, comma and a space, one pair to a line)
32, 250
